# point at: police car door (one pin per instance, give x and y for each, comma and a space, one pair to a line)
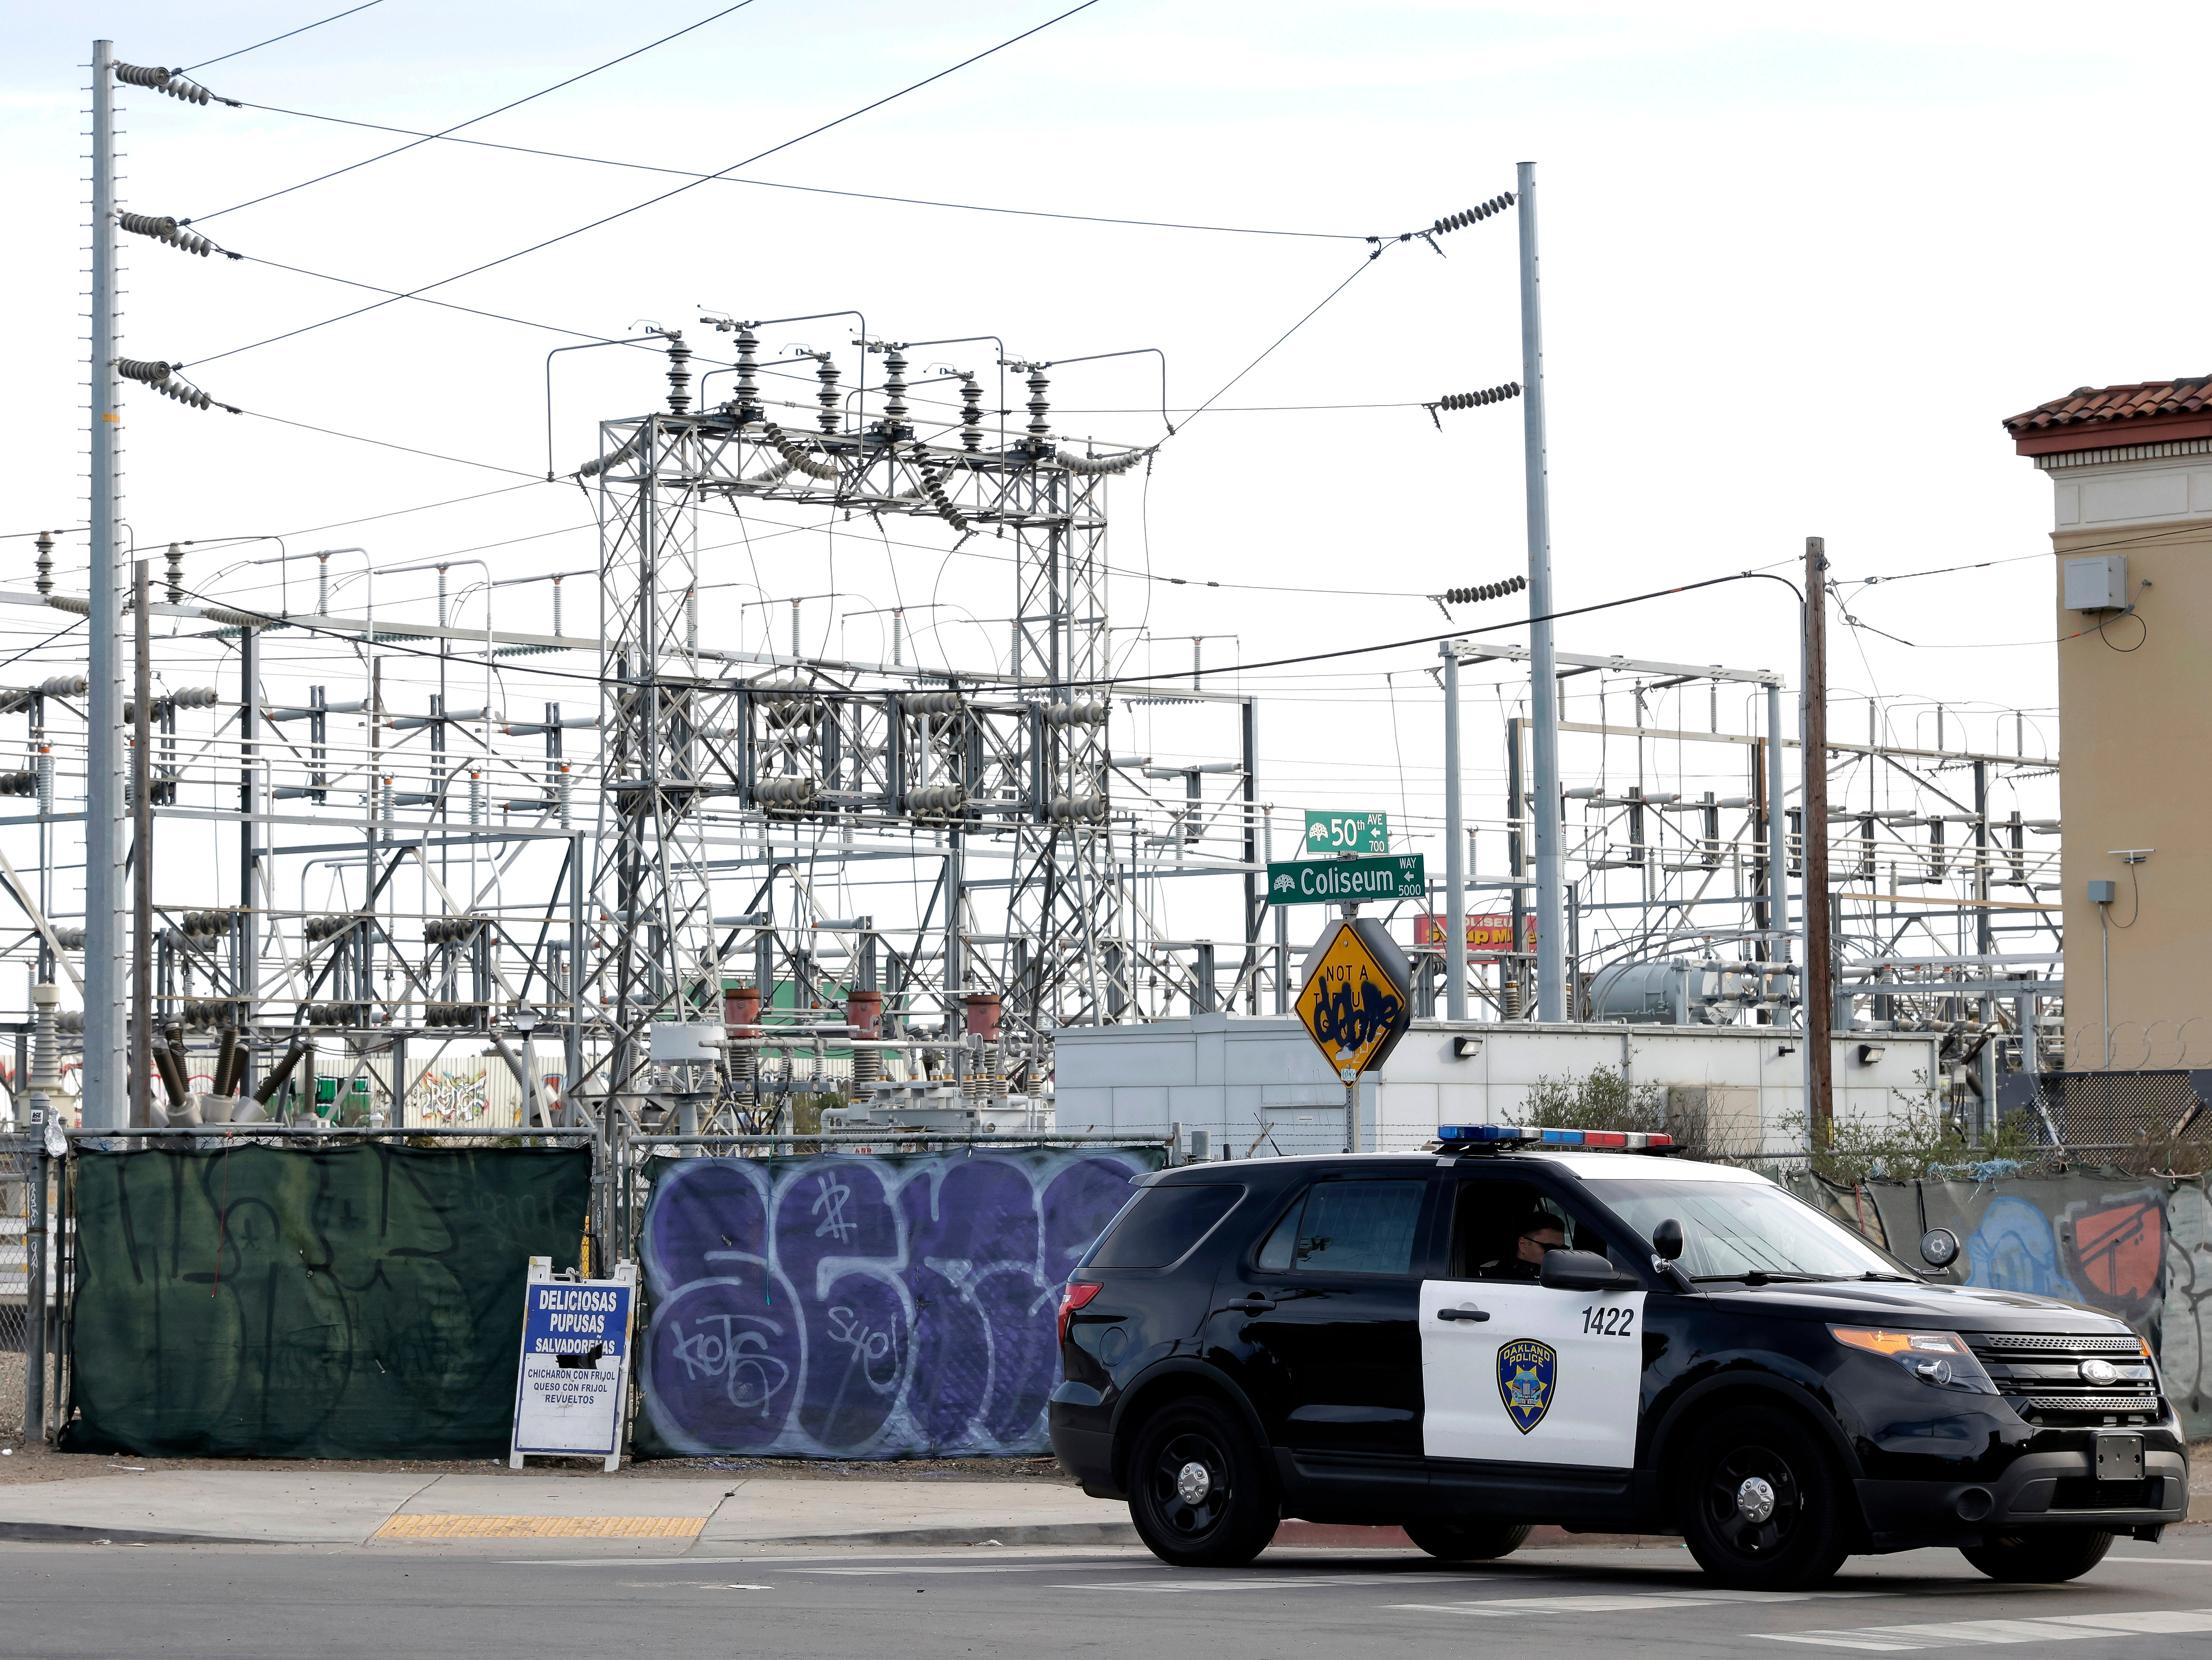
1510, 1371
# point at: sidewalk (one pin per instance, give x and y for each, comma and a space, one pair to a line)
671, 1514
248, 1506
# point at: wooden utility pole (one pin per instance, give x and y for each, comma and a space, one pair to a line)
1819, 998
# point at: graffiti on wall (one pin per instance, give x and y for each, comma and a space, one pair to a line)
899, 1306
2185, 1322
2141, 1254
2013, 1248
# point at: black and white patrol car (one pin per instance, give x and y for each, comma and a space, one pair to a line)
1496, 1332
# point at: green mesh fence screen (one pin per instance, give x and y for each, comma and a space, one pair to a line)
356, 1302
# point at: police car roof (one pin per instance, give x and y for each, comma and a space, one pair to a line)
1634, 1167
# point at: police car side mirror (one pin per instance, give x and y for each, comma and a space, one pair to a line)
1584, 1270
1667, 1239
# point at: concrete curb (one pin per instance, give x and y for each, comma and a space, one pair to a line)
66, 1533
1039, 1533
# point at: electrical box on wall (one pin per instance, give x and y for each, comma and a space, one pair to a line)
2097, 583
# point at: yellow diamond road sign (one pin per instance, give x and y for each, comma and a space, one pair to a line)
1355, 1005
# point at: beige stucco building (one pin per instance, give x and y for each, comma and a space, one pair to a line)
2130, 469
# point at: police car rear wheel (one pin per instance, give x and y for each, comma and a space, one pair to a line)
1469, 1542
1197, 1492
2041, 1558
1765, 1503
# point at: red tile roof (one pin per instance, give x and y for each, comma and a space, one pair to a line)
2098, 418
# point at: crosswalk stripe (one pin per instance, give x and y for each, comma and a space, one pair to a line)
1961, 1633
1619, 1602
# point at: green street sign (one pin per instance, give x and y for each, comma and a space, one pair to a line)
1347, 881
1348, 832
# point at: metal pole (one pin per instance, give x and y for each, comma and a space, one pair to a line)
1454, 850
1820, 960
142, 857
249, 855
1543, 681
1255, 900
1282, 932
1777, 834
34, 1307
105, 960
1985, 947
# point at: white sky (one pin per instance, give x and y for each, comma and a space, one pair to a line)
1799, 263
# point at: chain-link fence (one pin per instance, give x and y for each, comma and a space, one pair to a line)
23, 1298
2143, 1121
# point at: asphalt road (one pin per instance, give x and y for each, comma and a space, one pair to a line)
2144, 1602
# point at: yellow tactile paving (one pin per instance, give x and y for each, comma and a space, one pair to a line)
541, 1527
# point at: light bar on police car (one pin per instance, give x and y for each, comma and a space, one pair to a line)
1518, 1135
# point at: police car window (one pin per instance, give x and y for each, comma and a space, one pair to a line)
1347, 1227
1492, 1217
1731, 1228
1163, 1224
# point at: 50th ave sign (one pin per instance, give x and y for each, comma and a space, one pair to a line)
1357, 1001
1348, 832
1348, 881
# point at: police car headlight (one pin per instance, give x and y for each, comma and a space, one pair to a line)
1938, 1358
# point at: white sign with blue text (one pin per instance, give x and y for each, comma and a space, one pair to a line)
574, 1376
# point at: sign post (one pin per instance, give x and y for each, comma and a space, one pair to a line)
1356, 1004
574, 1380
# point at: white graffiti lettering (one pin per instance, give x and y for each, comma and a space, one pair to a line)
869, 1349
750, 1378
832, 1196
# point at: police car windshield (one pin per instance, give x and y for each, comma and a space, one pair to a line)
1731, 1230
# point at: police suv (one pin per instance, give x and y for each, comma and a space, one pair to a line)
1516, 1328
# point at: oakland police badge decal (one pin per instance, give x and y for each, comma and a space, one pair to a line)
1528, 1371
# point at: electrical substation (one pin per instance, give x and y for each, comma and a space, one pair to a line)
632, 874
415, 842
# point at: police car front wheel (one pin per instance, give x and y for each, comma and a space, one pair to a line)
1763, 1503
2045, 1558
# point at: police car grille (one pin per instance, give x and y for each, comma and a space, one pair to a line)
2089, 1402
2042, 1374
2064, 1343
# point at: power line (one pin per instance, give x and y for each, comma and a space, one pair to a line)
608, 219
381, 443
424, 138
449, 305
274, 38
1169, 676
1362, 265
771, 184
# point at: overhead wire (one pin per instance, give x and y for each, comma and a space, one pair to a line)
424, 138
1364, 264
1171, 676
809, 190
385, 443
274, 38
653, 200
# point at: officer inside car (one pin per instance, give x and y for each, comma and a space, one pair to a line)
1540, 1231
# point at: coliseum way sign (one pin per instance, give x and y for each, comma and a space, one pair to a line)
1347, 881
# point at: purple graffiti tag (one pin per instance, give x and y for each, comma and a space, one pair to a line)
718, 1363
837, 1239
898, 1306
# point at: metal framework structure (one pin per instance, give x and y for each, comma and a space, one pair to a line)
719, 764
